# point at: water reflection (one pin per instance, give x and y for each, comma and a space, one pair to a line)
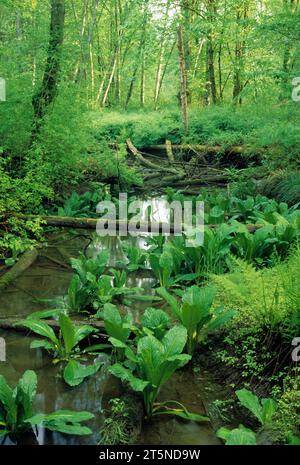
53, 394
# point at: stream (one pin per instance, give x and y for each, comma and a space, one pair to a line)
47, 279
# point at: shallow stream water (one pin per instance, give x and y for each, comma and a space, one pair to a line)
47, 279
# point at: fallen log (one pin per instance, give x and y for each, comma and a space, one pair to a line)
201, 148
203, 181
25, 261
145, 162
90, 223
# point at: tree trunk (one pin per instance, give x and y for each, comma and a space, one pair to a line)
183, 80
159, 70
142, 88
211, 89
286, 64
140, 52
238, 59
185, 8
48, 90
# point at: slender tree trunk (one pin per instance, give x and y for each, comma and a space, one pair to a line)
211, 89
159, 70
140, 52
199, 51
220, 72
165, 69
185, 8
78, 72
183, 80
142, 89
286, 63
110, 80
238, 56
48, 90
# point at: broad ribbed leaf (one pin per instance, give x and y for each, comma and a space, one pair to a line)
170, 365
64, 421
24, 394
75, 373
174, 341
74, 429
8, 403
269, 408
241, 437
63, 415
54, 312
124, 374
81, 332
39, 327
222, 317
150, 353
42, 344
251, 402
153, 317
114, 324
68, 332
170, 300
96, 348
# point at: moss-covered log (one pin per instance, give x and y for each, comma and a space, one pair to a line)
25, 261
90, 223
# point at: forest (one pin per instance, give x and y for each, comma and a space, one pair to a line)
120, 330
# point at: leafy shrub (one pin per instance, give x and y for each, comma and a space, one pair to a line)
287, 420
151, 365
65, 347
16, 410
264, 411
194, 313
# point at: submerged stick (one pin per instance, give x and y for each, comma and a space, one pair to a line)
25, 261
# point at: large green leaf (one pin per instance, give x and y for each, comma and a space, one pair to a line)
8, 403
81, 332
240, 436
174, 341
171, 300
114, 325
75, 373
156, 320
68, 333
251, 402
269, 407
24, 394
42, 344
39, 327
153, 318
150, 353
64, 421
125, 375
